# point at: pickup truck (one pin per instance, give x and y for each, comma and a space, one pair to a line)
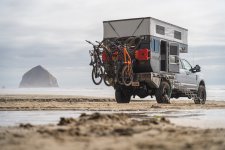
141, 57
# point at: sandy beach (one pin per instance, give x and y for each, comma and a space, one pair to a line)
100, 130
51, 102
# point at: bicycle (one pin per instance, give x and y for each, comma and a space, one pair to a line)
96, 62
110, 62
126, 72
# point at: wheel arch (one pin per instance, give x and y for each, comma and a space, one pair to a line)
166, 80
202, 82
163, 93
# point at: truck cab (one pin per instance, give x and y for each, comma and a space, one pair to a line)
190, 79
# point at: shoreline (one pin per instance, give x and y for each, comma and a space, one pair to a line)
55, 102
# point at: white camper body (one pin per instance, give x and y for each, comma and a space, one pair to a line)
166, 41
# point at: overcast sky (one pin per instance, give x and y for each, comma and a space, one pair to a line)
51, 33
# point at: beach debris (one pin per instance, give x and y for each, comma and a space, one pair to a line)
155, 106
65, 121
103, 124
26, 125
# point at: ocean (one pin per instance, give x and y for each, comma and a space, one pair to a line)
216, 93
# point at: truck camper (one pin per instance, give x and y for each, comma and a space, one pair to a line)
141, 57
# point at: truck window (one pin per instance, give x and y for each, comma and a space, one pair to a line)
186, 65
180, 65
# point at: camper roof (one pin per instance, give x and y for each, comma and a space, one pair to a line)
145, 18
144, 26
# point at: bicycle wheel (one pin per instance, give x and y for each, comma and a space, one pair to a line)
97, 75
127, 75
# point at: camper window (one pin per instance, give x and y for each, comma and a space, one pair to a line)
173, 59
155, 45
177, 35
160, 29
173, 50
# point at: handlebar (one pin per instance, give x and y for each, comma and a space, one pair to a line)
90, 42
94, 45
102, 45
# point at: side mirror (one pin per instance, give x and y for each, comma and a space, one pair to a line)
197, 68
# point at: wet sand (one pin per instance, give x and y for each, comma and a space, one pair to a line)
110, 131
49, 102
106, 130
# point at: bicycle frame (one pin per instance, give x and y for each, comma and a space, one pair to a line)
127, 59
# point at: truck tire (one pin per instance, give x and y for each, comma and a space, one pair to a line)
163, 93
201, 95
122, 96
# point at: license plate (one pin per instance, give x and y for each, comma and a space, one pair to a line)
135, 84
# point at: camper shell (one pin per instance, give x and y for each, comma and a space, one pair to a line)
166, 41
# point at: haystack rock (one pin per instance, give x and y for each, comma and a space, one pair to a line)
38, 77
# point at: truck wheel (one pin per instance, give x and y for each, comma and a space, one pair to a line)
122, 96
163, 93
201, 95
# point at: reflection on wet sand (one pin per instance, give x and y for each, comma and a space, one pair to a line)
212, 118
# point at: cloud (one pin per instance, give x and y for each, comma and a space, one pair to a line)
52, 33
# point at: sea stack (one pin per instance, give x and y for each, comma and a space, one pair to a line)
38, 77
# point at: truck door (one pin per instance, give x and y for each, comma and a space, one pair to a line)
189, 78
173, 55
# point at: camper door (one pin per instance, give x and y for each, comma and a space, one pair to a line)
173, 54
